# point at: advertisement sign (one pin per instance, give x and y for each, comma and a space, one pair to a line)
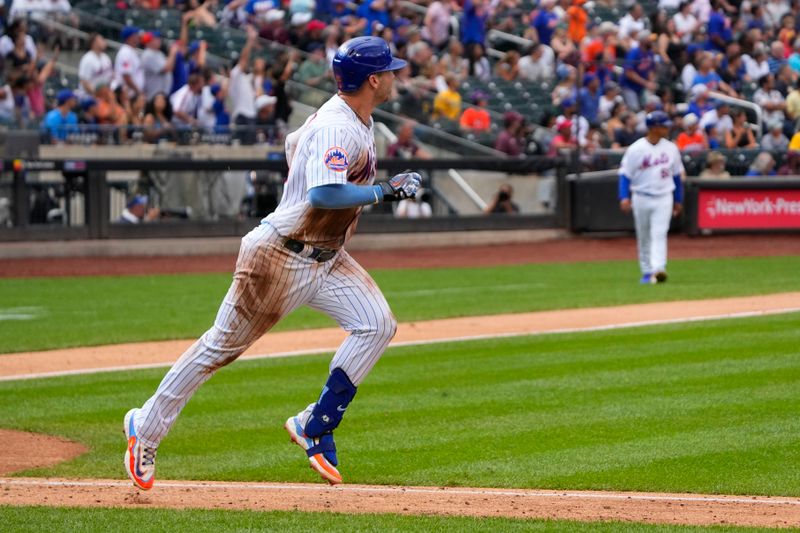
748, 209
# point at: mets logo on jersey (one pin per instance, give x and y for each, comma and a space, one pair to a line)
336, 159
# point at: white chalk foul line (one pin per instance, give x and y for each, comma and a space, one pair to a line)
755, 500
296, 353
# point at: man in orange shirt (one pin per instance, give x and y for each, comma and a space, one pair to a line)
577, 18
476, 119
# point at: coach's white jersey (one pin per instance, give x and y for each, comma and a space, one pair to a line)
333, 146
651, 167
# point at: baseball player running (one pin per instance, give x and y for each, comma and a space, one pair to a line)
650, 185
295, 257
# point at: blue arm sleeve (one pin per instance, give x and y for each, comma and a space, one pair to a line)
624, 187
677, 194
344, 195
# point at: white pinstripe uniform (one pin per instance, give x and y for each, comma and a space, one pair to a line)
333, 146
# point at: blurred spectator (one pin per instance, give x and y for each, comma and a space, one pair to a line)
577, 18
405, 147
735, 74
157, 66
791, 165
777, 57
18, 29
615, 121
770, 99
775, 140
479, 66
763, 165
564, 139
589, 98
511, 140
611, 96
700, 103
545, 22
580, 126
508, 67
136, 211
740, 134
756, 65
274, 27
19, 61
503, 202
473, 22
794, 58
437, 22
639, 73
719, 28
715, 167
8, 115
785, 79
628, 134
95, 66
793, 103
157, 122
714, 140
692, 138
538, 64
62, 121
207, 112
720, 118
452, 62
707, 76
185, 102
242, 91
265, 112
563, 46
374, 13
415, 207
313, 70
686, 24
448, 102
420, 55
476, 119
566, 86
128, 70
601, 49
632, 26
261, 77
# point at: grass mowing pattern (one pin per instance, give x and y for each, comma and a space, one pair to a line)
198, 521
105, 310
704, 407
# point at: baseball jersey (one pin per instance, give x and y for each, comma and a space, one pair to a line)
651, 167
332, 147
128, 62
96, 69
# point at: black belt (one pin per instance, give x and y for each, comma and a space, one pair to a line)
320, 255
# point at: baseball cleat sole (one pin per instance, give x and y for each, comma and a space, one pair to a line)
129, 461
317, 462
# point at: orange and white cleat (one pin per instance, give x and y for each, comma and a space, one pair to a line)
321, 450
140, 460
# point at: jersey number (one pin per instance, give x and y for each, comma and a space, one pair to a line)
664, 173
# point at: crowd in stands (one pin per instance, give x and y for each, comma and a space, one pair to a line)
599, 75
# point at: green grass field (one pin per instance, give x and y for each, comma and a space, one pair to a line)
104, 310
158, 520
700, 407
705, 407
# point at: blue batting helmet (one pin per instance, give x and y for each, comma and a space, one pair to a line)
657, 118
357, 58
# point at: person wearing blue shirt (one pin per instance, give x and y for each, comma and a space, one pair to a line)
374, 12
545, 22
639, 71
589, 98
62, 121
719, 29
473, 23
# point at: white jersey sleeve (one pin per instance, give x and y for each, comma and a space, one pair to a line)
332, 151
627, 166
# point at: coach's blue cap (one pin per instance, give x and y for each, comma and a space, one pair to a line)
88, 103
657, 118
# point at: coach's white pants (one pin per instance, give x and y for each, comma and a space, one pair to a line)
652, 215
270, 282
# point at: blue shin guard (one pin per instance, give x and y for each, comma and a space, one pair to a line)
336, 395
